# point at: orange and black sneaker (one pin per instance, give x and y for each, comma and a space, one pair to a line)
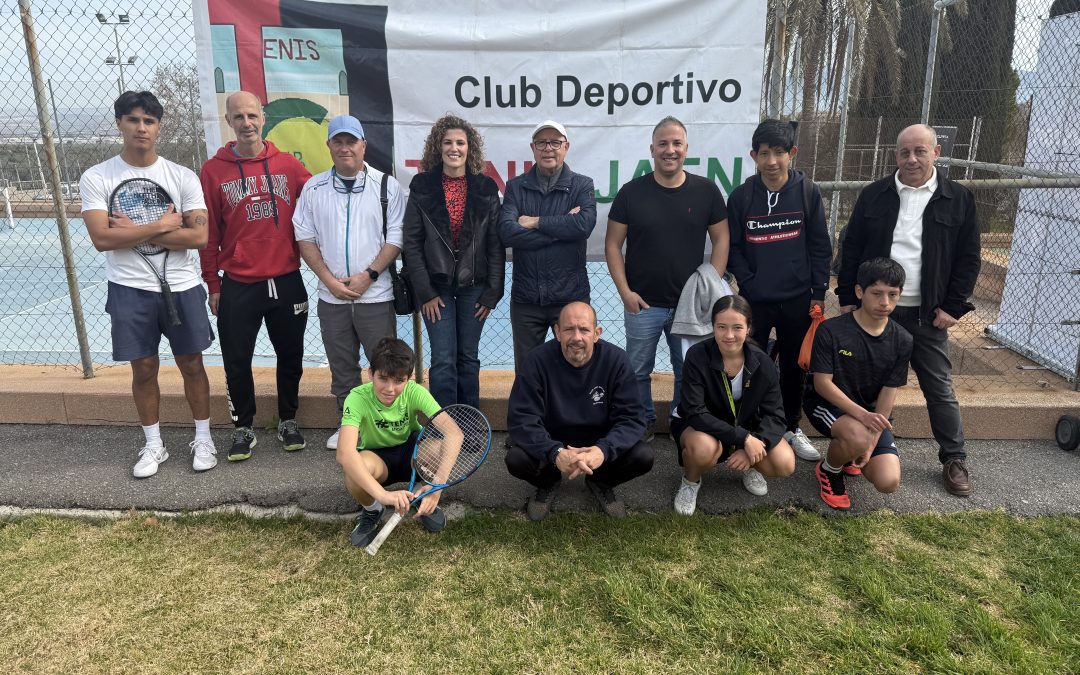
833, 491
851, 470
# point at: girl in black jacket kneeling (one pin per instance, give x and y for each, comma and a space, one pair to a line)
730, 409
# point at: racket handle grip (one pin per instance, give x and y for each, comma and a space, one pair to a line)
377, 542
170, 304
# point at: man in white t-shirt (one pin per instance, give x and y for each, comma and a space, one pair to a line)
338, 224
135, 305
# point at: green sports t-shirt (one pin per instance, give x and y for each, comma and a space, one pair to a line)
383, 426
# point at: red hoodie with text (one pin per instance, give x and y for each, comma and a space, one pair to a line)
250, 201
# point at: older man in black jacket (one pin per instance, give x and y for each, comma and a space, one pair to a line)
547, 216
928, 224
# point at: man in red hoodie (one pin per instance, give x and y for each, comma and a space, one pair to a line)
251, 189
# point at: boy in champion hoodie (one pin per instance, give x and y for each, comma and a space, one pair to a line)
251, 189
780, 254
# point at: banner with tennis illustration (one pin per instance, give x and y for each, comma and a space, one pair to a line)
607, 71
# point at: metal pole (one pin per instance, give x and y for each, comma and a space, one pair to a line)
418, 346
931, 56
54, 174
776, 69
877, 148
834, 205
120, 81
59, 137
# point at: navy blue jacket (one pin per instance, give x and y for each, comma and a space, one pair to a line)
549, 262
951, 247
554, 405
780, 244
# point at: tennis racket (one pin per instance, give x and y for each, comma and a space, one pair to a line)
451, 446
144, 201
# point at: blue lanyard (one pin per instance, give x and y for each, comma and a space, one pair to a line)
348, 216
348, 221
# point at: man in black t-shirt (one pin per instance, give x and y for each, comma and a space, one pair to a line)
662, 217
858, 361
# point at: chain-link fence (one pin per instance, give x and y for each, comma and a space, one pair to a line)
1000, 89
1004, 91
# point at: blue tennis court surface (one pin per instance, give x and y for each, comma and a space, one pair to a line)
36, 324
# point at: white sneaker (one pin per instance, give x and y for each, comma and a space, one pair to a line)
149, 457
754, 483
331, 443
686, 497
802, 446
205, 454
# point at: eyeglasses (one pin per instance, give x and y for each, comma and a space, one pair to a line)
542, 144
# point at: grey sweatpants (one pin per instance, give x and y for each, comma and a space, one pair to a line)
345, 329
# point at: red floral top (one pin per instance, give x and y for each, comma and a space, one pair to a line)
454, 188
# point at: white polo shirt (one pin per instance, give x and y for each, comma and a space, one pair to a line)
907, 237
348, 227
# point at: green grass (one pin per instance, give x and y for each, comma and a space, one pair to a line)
760, 591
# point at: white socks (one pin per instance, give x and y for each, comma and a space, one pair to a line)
375, 507
829, 467
153, 434
202, 429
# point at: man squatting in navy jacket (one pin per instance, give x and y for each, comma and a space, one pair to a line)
573, 411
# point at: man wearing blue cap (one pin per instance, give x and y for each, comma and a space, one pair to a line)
339, 227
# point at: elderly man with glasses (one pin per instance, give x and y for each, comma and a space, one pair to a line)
547, 217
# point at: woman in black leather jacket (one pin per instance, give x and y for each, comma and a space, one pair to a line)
453, 255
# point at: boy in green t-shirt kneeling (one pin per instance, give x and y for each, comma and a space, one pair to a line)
379, 428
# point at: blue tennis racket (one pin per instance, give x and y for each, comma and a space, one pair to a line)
451, 446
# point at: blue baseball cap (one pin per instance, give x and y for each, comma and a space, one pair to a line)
346, 124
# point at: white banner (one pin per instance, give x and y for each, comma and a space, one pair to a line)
608, 71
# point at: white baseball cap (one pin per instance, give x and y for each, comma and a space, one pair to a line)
550, 124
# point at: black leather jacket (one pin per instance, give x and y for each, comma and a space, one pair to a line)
951, 248
427, 251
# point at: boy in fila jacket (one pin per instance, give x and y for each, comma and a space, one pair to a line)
780, 254
251, 266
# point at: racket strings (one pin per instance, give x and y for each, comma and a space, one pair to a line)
142, 202
440, 459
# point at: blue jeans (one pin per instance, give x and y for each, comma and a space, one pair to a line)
642, 335
455, 347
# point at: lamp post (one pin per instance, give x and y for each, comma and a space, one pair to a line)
117, 60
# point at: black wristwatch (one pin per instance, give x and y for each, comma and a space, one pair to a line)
373, 274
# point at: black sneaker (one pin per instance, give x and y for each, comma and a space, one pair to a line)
608, 501
435, 522
367, 523
243, 440
539, 505
650, 432
290, 437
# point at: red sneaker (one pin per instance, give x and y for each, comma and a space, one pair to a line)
833, 491
852, 470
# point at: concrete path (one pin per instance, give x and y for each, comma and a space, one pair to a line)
89, 467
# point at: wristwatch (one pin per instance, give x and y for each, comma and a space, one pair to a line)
372, 273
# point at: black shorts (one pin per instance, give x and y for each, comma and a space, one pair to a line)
398, 460
678, 426
823, 415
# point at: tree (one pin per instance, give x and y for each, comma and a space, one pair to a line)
1064, 7
182, 138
